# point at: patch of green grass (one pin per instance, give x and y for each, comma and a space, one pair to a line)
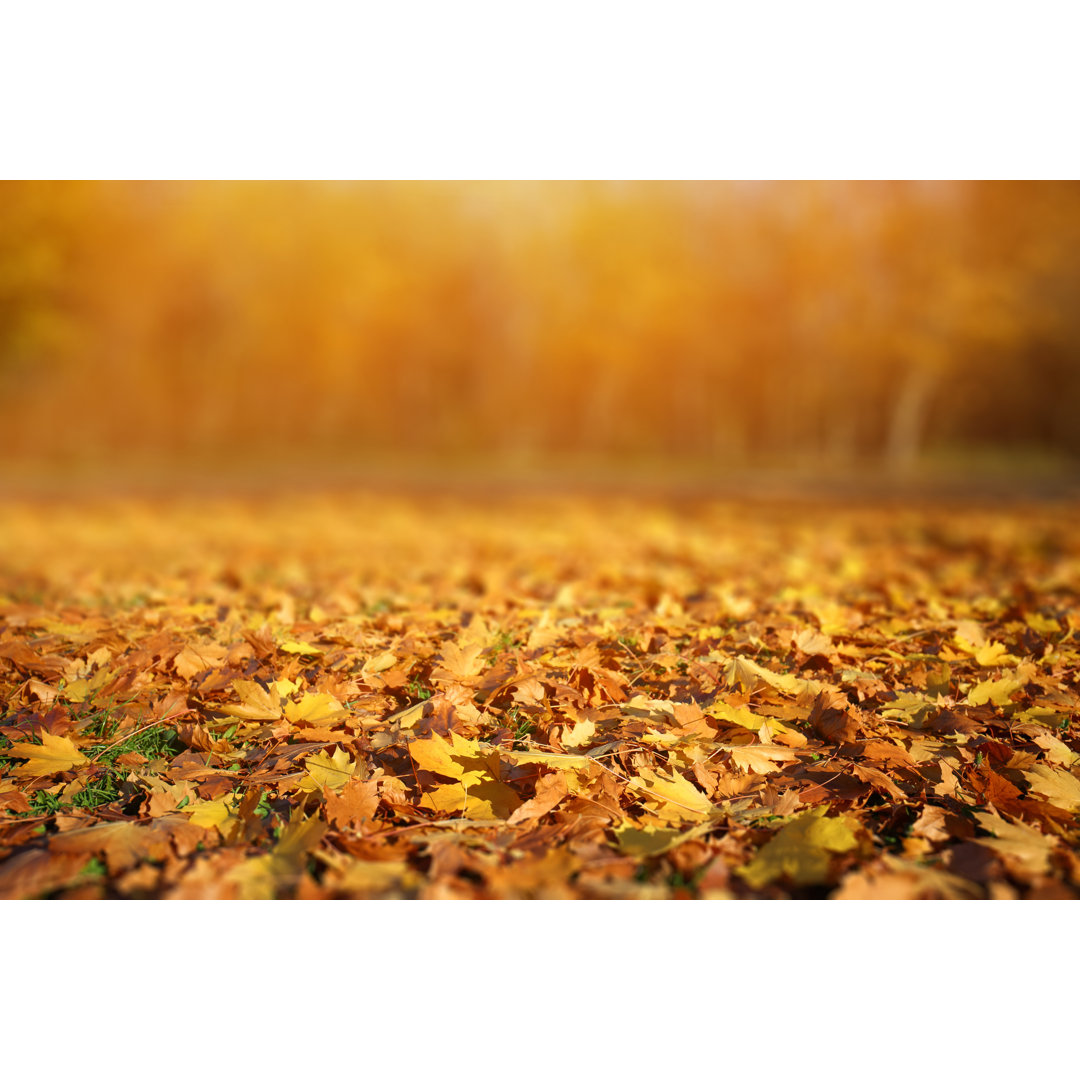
521, 728
95, 868
504, 641
418, 691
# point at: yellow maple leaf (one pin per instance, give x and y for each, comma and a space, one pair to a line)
745, 718
994, 654
484, 799
258, 703
315, 710
383, 662
259, 878
674, 798
743, 670
545, 757
641, 842
1018, 844
198, 657
460, 662
1061, 788
1056, 751
326, 771
581, 733
459, 758
213, 814
994, 692
801, 850
759, 759
1041, 624
300, 648
56, 754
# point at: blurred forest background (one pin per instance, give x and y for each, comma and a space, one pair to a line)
691, 330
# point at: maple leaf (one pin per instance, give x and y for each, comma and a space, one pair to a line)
813, 642
995, 654
462, 664
673, 797
193, 659
994, 692
315, 710
484, 799
300, 648
1059, 787
214, 814
801, 850
759, 759
461, 758
743, 670
56, 754
1056, 751
551, 789
746, 719
652, 840
324, 771
1020, 845
258, 702
357, 802
581, 734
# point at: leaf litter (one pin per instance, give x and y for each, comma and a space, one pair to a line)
367, 696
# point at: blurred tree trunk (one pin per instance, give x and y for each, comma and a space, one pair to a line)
907, 423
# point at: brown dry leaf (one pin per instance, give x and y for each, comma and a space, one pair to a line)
198, 657
356, 803
551, 789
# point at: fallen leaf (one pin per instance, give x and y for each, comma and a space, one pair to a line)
56, 754
759, 759
356, 802
801, 850
324, 771
315, 710
1059, 787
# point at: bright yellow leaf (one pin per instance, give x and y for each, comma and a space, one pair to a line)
300, 648
994, 654
213, 814
580, 735
56, 754
801, 850
745, 718
994, 692
459, 758
483, 799
759, 759
325, 771
315, 710
673, 797
258, 703
1061, 788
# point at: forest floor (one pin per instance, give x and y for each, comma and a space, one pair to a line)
350, 695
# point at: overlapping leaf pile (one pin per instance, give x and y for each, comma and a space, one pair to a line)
366, 697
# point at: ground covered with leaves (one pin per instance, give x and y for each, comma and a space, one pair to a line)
363, 696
